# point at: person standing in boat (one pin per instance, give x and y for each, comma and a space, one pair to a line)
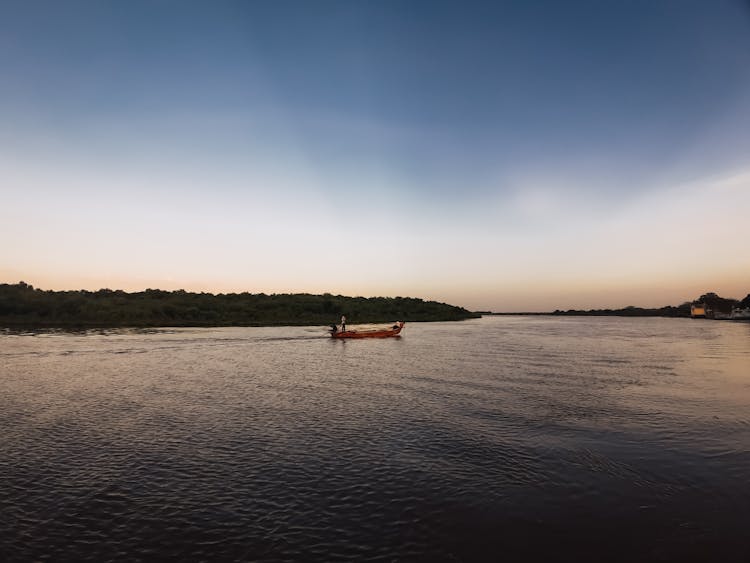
343, 323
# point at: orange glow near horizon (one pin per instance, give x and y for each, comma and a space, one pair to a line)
650, 254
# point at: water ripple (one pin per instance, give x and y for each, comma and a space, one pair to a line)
517, 437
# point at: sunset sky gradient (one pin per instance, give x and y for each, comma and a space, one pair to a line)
518, 156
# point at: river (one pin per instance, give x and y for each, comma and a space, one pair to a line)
501, 438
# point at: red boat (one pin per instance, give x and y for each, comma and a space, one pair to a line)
370, 333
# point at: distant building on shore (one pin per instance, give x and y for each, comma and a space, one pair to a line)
698, 311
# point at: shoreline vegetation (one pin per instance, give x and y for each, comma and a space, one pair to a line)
710, 299
22, 305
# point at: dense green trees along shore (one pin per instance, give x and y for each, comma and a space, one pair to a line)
711, 300
21, 305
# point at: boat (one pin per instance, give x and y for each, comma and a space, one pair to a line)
739, 314
395, 330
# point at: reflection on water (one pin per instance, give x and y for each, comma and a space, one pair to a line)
517, 438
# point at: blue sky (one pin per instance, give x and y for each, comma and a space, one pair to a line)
509, 156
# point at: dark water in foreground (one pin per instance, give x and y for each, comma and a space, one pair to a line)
513, 438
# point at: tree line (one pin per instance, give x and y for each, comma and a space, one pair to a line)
710, 299
23, 305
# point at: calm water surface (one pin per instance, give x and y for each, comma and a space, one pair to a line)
505, 438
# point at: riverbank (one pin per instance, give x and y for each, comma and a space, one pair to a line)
22, 305
710, 304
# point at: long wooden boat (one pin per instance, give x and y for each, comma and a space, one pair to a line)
395, 330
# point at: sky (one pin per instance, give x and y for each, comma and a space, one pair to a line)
504, 156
